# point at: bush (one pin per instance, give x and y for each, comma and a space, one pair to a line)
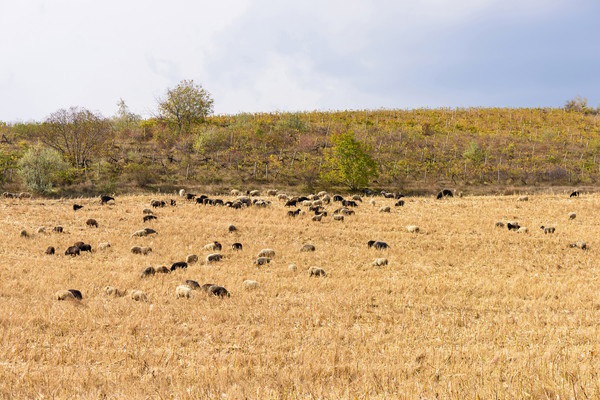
41, 167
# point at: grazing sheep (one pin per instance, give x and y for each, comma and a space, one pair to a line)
147, 211
85, 247
214, 246
24, 234
315, 271
575, 193
412, 228
206, 286
444, 193
183, 292
379, 245
513, 226
292, 267
92, 223
235, 192
157, 203
58, 229
237, 246
385, 209
76, 293
141, 250
218, 291
192, 284
181, 192
572, 215
73, 251
138, 295
178, 265
147, 218
522, 198
191, 259
250, 285
349, 203
41, 229
104, 246
78, 244
272, 192
149, 271
380, 262
139, 233
163, 270
24, 195
338, 218
499, 224
105, 199
294, 214
579, 244
214, 257
523, 229
262, 261
548, 229
317, 218
77, 207
50, 251
64, 295
150, 231
266, 253
113, 291
308, 247
232, 228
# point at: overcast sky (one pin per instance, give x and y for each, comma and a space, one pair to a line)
301, 55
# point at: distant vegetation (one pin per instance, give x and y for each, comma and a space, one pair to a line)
419, 150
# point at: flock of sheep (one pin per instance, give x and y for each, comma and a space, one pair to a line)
317, 205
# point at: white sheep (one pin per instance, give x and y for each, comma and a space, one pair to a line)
183, 292
292, 267
235, 192
372, 202
140, 233
385, 209
181, 192
266, 253
380, 262
250, 285
523, 229
103, 245
412, 229
317, 218
138, 295
338, 217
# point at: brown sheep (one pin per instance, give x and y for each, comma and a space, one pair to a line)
92, 223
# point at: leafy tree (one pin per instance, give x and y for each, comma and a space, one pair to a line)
40, 167
348, 162
185, 105
125, 119
475, 154
78, 134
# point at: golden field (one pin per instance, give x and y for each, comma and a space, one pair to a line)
463, 310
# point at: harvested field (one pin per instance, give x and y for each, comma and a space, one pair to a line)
463, 308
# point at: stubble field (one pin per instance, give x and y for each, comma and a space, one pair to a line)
464, 309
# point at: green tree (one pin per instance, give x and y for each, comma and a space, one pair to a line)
185, 105
77, 134
348, 162
40, 167
125, 119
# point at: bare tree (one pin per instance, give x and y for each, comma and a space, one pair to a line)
76, 133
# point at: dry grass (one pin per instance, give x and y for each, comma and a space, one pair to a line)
463, 309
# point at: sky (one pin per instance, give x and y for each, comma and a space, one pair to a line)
279, 55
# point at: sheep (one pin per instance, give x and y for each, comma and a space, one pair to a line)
85, 247
292, 267
77, 207
325, 199
575, 193
103, 246
73, 251
294, 214
105, 199
206, 286
372, 202
64, 295
58, 229
308, 247
266, 253
192, 284
92, 223
147, 218
144, 232
254, 193
237, 246
178, 265
181, 192
218, 291
138, 295
191, 259
150, 231
523, 229
163, 270
76, 293
183, 292
317, 218
232, 228
499, 224
522, 198
113, 291
157, 203
214, 246
214, 257
385, 209
399, 203
349, 203
147, 211
572, 215
250, 285
24, 195
579, 244
337, 197
149, 271
262, 261
513, 226
380, 262
24, 234
412, 229
548, 229
315, 271
50, 251
338, 218
379, 245
444, 193
235, 192
141, 250
41, 229
272, 192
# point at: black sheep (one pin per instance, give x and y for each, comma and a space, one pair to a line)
105, 199
76, 293
179, 264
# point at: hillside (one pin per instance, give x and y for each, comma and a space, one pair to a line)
417, 150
